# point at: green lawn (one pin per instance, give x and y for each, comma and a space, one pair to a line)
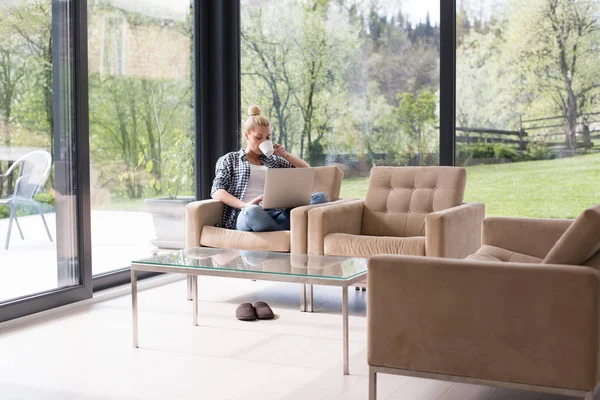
546, 189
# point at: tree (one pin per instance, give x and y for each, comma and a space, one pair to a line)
296, 67
417, 116
485, 82
134, 119
268, 49
141, 129
11, 74
327, 40
29, 27
337, 68
554, 44
401, 65
24, 28
463, 25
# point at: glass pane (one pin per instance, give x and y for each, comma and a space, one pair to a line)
353, 84
528, 115
262, 262
37, 156
141, 127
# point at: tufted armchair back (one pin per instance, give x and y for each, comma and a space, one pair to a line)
399, 198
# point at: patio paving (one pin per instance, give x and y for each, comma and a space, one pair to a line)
29, 266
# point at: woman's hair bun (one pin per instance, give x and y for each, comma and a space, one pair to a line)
254, 110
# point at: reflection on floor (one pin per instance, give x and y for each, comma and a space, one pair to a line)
88, 353
29, 266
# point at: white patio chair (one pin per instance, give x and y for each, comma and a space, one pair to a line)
34, 168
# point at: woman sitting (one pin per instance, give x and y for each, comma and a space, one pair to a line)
240, 180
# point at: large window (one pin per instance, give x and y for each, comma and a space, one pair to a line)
39, 251
528, 110
351, 84
141, 127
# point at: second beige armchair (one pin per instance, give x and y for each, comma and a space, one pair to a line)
407, 210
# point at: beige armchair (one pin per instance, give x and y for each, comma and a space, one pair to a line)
203, 220
408, 210
522, 312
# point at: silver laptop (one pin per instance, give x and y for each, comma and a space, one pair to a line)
288, 187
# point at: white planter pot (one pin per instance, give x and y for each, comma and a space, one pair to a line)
168, 216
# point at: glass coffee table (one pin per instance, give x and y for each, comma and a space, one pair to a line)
280, 267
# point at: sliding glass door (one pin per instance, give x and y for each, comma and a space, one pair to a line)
42, 209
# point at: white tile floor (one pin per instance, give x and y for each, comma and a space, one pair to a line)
87, 353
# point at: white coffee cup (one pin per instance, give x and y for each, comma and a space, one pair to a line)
267, 147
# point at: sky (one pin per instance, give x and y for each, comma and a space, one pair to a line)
416, 10
170, 9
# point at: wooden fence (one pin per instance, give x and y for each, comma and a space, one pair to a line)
549, 131
477, 135
552, 130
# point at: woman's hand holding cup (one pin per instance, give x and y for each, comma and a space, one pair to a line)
280, 151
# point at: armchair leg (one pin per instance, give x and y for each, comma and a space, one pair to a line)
373, 384
39, 207
309, 295
589, 396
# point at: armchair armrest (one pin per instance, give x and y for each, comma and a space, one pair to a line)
494, 321
299, 225
198, 214
454, 232
343, 217
531, 236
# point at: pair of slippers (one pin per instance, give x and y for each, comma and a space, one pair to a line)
249, 312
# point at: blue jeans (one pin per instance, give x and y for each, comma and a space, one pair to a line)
255, 219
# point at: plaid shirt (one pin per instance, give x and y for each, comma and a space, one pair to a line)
233, 174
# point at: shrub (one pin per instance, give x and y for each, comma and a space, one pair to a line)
46, 197
482, 150
488, 150
504, 151
539, 151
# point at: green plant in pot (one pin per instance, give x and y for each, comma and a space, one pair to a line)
172, 174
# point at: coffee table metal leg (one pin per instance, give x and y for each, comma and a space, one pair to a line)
194, 279
303, 297
309, 295
134, 307
189, 287
345, 326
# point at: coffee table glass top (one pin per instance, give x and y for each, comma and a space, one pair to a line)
339, 268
